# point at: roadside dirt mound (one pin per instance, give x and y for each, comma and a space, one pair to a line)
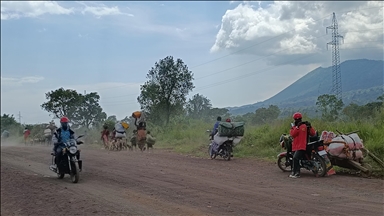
166, 183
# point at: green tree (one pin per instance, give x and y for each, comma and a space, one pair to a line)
198, 107
82, 110
112, 118
352, 111
8, 121
215, 112
264, 115
164, 93
329, 106
62, 102
88, 112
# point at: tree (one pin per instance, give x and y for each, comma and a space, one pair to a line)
62, 102
264, 115
198, 107
215, 112
165, 91
89, 111
329, 106
112, 118
352, 111
81, 109
8, 121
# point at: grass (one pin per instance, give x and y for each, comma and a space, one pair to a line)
190, 137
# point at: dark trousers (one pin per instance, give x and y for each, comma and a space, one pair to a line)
299, 154
59, 153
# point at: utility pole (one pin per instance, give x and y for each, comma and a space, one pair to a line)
336, 72
19, 117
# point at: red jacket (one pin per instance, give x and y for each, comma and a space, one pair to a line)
299, 135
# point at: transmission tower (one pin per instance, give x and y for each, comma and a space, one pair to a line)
336, 72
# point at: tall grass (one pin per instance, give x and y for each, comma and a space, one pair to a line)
190, 136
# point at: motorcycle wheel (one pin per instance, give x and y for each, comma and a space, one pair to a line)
75, 175
323, 168
211, 154
281, 163
227, 155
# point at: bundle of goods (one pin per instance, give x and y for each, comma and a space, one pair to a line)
343, 146
327, 136
229, 130
136, 114
47, 132
220, 139
151, 140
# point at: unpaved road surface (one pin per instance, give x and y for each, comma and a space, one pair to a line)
166, 183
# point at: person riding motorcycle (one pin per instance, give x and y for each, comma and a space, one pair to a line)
215, 127
61, 135
300, 134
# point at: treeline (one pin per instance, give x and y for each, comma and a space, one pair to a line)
163, 99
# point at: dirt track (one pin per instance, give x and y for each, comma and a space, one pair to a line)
165, 183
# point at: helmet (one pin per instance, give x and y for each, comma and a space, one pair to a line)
228, 120
297, 115
64, 119
125, 125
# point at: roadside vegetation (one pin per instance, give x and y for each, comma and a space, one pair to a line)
180, 123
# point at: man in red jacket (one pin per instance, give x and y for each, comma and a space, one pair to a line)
300, 133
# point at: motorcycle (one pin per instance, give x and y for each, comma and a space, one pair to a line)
314, 159
225, 150
70, 162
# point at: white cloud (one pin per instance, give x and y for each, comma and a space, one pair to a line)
18, 9
298, 28
100, 10
9, 81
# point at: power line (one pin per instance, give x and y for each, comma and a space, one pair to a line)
254, 61
253, 73
266, 69
253, 44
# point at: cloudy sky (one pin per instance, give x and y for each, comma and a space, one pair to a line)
240, 52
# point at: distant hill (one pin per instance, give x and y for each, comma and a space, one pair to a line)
362, 82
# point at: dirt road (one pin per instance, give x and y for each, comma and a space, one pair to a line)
165, 183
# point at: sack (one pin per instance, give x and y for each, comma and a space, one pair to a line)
230, 129
219, 140
120, 135
151, 140
335, 149
141, 135
352, 155
136, 114
353, 141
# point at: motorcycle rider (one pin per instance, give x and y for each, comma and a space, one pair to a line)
300, 132
215, 127
61, 135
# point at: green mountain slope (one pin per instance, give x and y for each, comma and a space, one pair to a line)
362, 82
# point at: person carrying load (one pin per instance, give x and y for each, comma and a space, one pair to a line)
141, 128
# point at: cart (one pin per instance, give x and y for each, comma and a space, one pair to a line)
359, 164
